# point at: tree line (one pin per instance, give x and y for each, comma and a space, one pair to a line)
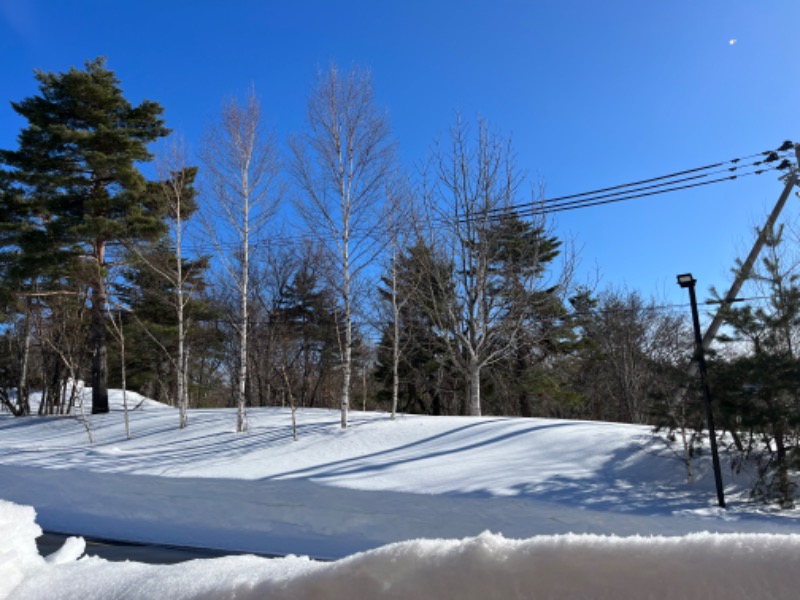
329, 276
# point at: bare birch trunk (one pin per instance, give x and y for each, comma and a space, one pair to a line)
241, 419
395, 339
347, 358
292, 403
123, 372
183, 400
347, 364
85, 421
348, 150
243, 167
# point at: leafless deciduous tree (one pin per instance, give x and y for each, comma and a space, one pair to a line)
633, 344
498, 259
118, 329
340, 164
242, 167
176, 181
400, 221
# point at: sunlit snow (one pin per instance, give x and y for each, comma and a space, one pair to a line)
418, 507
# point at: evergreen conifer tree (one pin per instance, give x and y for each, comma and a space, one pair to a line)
758, 387
75, 185
306, 318
424, 281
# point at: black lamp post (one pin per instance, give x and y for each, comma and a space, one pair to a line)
687, 281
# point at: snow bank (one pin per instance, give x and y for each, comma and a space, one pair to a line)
707, 566
18, 554
117, 400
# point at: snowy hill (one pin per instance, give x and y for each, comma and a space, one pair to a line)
337, 492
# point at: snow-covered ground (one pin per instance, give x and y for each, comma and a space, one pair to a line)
417, 507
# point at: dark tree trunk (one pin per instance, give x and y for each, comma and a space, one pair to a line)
524, 399
436, 404
99, 351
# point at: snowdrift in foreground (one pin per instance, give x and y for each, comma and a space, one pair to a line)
707, 566
18, 555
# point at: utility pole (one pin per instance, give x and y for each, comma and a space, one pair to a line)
747, 265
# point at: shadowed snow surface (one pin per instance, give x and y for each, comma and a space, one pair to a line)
576, 509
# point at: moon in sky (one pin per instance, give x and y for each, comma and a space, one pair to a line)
732, 42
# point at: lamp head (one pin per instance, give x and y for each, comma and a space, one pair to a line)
686, 280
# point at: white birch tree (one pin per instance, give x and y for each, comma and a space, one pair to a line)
400, 222
242, 168
176, 186
340, 165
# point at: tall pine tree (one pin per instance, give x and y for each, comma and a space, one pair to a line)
75, 183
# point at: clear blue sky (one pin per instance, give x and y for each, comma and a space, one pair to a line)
595, 93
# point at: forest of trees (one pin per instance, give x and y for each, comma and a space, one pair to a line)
329, 275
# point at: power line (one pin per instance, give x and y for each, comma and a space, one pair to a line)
613, 198
771, 156
638, 189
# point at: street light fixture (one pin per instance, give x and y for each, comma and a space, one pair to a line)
688, 282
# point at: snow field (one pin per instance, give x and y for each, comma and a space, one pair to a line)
406, 507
